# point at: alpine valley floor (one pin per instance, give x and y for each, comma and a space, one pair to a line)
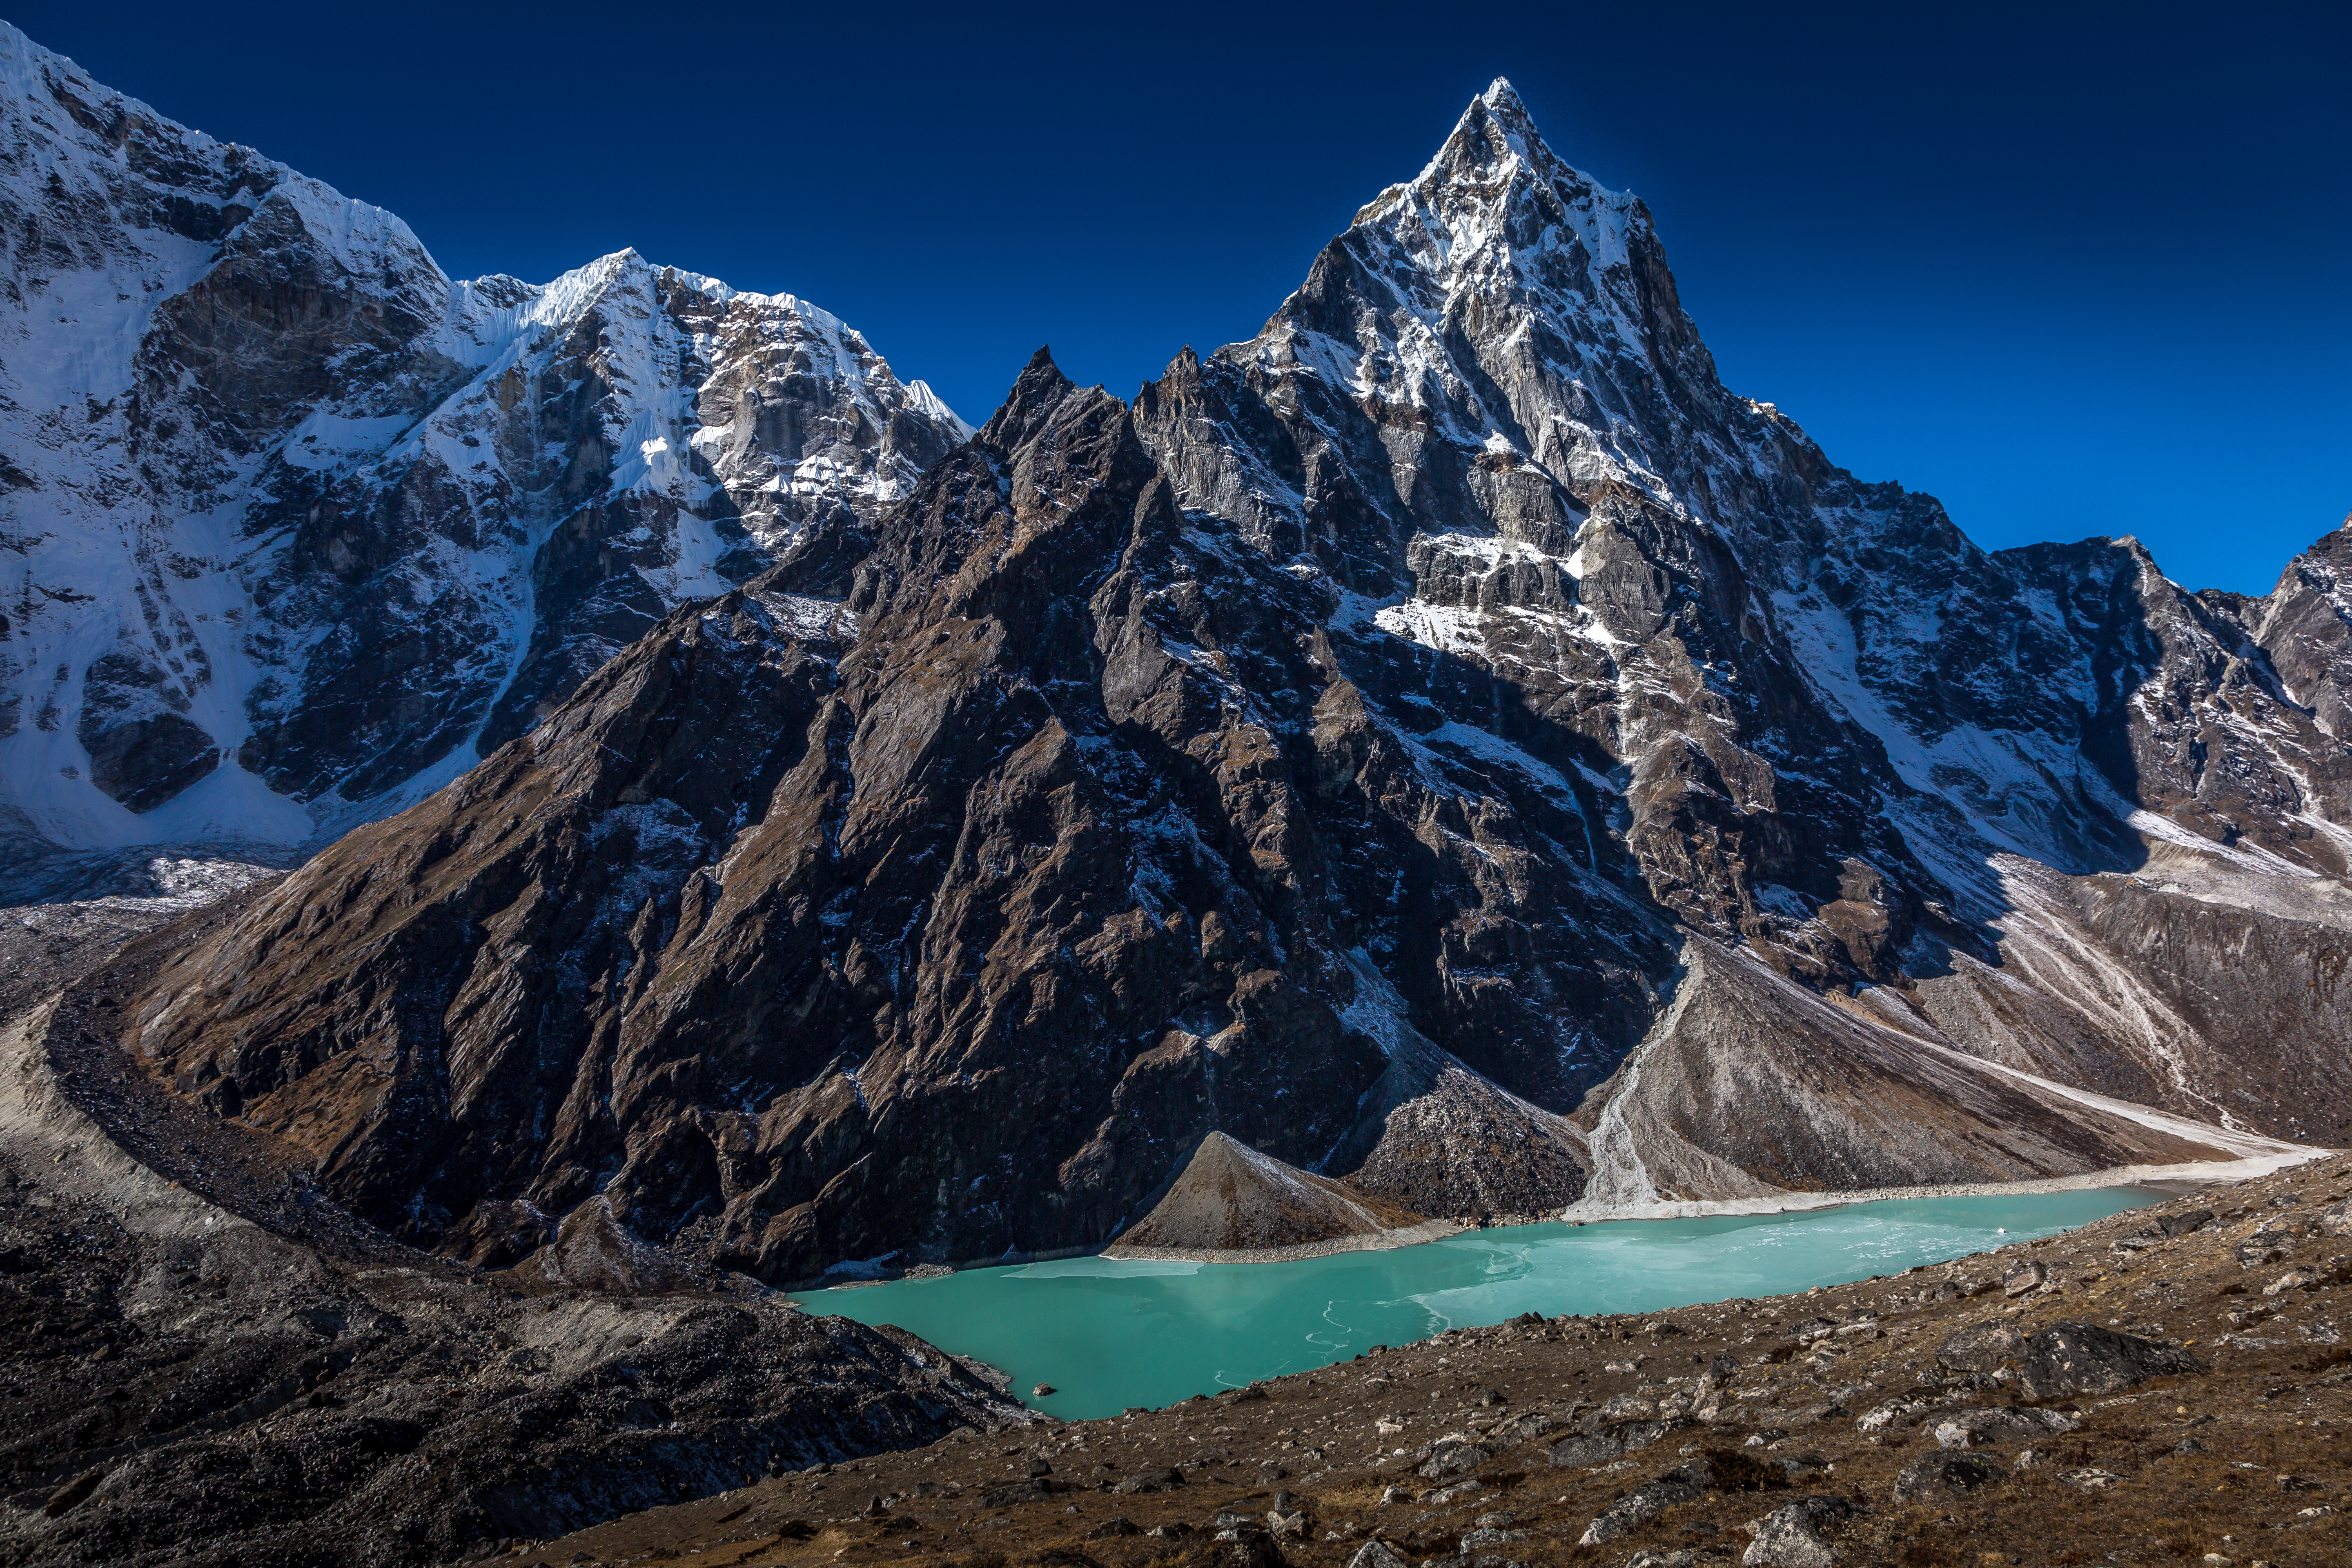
1838, 1417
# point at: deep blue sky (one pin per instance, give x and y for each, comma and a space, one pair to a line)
2075, 269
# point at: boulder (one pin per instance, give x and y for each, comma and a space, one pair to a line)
1796, 1535
1159, 1479
1613, 1441
1534, 1424
2293, 1279
1944, 1473
1985, 1347
1905, 1410
2172, 1224
1455, 1458
1486, 1538
1378, 1554
2082, 1358
2025, 1277
1981, 1429
1247, 1548
1644, 1503
2335, 1219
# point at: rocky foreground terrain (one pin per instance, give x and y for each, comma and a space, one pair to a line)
182, 1386
2169, 1386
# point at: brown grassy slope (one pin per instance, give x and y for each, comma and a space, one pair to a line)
2268, 1482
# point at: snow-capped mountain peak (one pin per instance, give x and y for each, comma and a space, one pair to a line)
301, 524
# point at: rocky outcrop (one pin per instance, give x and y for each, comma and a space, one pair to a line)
2083, 1358
1230, 1198
300, 527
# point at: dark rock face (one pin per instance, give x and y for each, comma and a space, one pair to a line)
2083, 1358
325, 510
142, 762
948, 919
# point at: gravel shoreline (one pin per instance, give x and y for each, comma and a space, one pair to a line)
2180, 1178
2185, 1178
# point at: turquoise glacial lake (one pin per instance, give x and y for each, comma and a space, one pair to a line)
1108, 1333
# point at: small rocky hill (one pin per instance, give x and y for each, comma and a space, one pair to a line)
1230, 1198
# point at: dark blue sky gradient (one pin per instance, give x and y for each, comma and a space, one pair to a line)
2076, 270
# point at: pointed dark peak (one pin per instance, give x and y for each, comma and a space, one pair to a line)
1502, 100
2336, 541
1038, 390
2331, 551
1494, 130
1180, 382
